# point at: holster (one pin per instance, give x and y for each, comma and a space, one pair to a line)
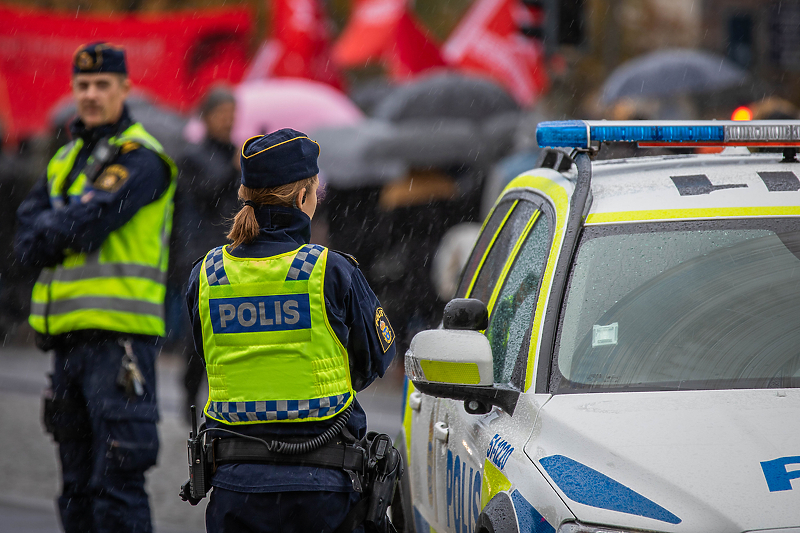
384, 470
61, 418
384, 476
45, 342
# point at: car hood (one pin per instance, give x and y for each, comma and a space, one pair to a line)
674, 461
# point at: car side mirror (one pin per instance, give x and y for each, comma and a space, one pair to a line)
457, 364
465, 314
454, 357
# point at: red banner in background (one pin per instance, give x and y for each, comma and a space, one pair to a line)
488, 42
173, 56
299, 47
386, 30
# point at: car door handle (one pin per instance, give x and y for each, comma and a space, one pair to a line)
415, 400
440, 432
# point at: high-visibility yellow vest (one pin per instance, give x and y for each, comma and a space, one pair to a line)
121, 286
271, 355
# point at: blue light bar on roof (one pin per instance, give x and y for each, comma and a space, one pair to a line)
585, 133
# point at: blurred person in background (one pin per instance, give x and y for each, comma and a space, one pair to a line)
97, 225
16, 179
205, 200
771, 108
774, 108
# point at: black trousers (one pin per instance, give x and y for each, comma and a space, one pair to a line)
106, 440
277, 512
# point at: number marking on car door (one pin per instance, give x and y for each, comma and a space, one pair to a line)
499, 451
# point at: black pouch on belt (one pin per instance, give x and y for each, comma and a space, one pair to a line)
199, 483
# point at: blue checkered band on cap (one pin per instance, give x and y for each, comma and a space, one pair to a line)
304, 262
215, 269
265, 411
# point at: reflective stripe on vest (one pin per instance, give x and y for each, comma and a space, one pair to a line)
121, 286
271, 354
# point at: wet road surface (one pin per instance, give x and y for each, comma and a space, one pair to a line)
28, 465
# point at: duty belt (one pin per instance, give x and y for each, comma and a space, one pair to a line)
373, 464
333, 455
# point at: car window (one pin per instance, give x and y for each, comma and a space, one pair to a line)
486, 239
513, 309
662, 307
500, 250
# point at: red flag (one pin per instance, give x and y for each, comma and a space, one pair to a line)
385, 30
488, 42
173, 56
299, 47
412, 50
7, 125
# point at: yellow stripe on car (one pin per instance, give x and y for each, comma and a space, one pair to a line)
559, 197
407, 418
510, 261
494, 482
489, 249
711, 212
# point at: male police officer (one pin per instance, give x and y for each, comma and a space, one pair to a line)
289, 331
97, 224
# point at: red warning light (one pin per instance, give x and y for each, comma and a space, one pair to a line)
742, 113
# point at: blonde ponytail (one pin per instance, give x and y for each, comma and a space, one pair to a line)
244, 227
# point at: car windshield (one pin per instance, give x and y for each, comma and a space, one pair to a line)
690, 305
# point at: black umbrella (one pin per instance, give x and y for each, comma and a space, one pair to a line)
438, 121
672, 72
375, 152
344, 161
445, 95
369, 94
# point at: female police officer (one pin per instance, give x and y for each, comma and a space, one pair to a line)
289, 331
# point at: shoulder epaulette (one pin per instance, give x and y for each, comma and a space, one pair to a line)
349, 257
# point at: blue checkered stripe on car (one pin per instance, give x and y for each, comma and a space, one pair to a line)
304, 262
215, 269
264, 411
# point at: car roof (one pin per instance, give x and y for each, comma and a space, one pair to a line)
732, 184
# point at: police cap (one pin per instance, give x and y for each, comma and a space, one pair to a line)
94, 58
281, 157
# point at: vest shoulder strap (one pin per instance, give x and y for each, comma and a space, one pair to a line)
136, 133
215, 268
64, 151
304, 261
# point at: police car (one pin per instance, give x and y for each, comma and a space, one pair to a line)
624, 352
